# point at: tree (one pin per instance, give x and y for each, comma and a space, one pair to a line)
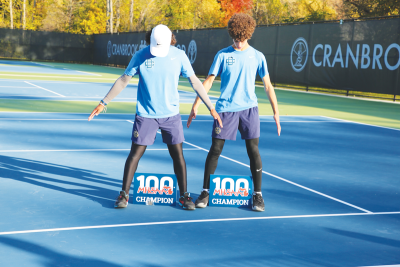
131, 15
24, 16
93, 20
311, 10
11, 15
270, 11
110, 16
230, 7
372, 8
118, 14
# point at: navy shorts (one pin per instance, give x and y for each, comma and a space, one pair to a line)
145, 130
246, 121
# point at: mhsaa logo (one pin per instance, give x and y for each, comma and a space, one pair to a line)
158, 187
235, 189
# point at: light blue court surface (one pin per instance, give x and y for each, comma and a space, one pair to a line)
34, 67
73, 91
331, 190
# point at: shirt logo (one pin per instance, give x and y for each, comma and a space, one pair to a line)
149, 63
230, 61
136, 134
217, 130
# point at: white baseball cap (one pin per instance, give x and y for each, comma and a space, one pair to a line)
160, 41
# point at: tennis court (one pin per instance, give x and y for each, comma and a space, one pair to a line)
330, 186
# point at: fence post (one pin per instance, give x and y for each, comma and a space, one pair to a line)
276, 55
349, 67
307, 71
396, 83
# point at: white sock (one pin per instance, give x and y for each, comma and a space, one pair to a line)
207, 190
254, 193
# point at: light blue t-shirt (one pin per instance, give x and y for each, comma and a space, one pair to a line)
157, 95
238, 70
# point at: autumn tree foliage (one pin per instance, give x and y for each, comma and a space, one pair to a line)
100, 16
372, 8
230, 7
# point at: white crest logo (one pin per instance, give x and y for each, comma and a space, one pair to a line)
192, 51
299, 54
109, 49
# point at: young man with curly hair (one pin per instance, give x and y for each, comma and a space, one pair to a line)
237, 106
159, 66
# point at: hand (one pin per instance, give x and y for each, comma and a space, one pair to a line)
192, 116
214, 113
96, 111
278, 124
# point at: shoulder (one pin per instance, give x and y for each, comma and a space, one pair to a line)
258, 54
174, 51
223, 52
143, 51
141, 55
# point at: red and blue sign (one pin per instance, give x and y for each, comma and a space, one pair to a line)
230, 191
154, 189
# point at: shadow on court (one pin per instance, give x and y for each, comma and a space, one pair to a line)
365, 237
52, 257
39, 173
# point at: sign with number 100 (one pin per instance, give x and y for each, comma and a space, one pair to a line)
230, 191
154, 189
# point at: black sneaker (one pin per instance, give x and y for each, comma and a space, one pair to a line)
258, 203
186, 202
202, 200
122, 200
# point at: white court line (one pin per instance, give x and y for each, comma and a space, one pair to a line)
42, 76
361, 123
283, 179
290, 182
192, 221
83, 72
131, 83
340, 96
17, 87
396, 265
43, 64
89, 97
88, 73
132, 122
85, 150
16, 119
284, 121
44, 89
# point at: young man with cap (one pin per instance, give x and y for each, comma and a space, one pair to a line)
159, 66
237, 106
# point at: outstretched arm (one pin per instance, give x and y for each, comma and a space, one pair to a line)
207, 86
117, 88
202, 94
270, 91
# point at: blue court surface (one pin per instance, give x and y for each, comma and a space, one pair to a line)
73, 91
331, 189
40, 68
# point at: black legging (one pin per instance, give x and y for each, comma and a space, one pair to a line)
137, 152
254, 156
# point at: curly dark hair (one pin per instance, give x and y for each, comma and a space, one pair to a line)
148, 35
241, 27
